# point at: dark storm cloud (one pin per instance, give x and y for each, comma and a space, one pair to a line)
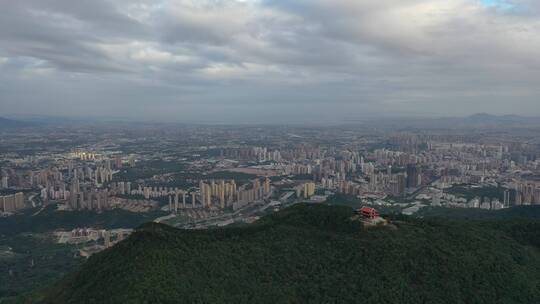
183, 59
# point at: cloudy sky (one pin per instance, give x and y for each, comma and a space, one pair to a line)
269, 60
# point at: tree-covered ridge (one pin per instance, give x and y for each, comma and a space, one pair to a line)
315, 254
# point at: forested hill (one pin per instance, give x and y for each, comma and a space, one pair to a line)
315, 254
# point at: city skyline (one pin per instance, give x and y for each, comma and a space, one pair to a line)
268, 61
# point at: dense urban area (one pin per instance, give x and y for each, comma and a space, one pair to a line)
71, 190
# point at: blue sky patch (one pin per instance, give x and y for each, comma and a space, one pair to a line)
499, 4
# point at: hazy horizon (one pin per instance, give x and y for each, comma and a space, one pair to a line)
476, 119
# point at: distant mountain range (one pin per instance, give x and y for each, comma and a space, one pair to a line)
10, 123
488, 120
484, 117
475, 121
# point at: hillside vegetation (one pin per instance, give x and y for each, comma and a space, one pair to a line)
315, 254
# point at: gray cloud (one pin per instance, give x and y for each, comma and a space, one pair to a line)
189, 60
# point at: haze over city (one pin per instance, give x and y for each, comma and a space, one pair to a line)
268, 60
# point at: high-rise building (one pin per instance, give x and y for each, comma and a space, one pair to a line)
266, 185
506, 200
202, 188
107, 239
208, 195
5, 183
183, 199
309, 190
8, 203
118, 162
221, 191
398, 183
412, 176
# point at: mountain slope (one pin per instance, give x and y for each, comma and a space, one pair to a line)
315, 254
